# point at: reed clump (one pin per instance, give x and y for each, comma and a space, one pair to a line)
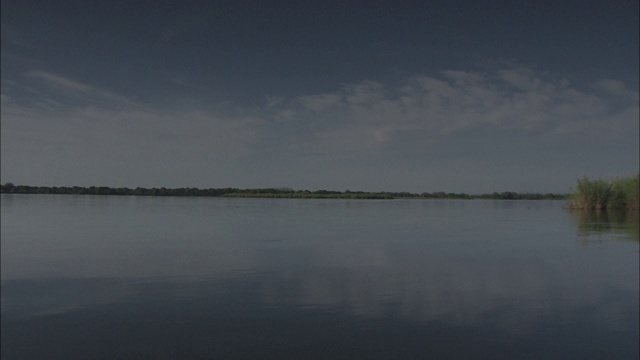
620, 193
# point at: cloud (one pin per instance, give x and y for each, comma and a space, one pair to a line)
369, 115
321, 102
380, 134
58, 81
273, 101
616, 88
59, 93
132, 132
88, 133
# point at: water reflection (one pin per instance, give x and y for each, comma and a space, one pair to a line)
595, 225
258, 318
311, 279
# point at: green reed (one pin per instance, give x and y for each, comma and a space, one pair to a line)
620, 193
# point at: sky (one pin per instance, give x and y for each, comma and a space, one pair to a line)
420, 96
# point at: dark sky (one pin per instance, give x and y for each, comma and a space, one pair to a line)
473, 96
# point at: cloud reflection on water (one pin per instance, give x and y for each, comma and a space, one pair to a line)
443, 272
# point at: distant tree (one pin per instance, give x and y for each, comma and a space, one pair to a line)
8, 187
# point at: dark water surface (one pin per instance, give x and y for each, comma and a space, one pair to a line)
91, 277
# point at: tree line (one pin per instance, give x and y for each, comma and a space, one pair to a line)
10, 188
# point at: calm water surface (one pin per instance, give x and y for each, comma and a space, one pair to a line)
92, 277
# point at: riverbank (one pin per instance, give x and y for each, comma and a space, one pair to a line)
267, 193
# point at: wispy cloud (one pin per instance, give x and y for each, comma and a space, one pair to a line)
321, 102
370, 114
58, 81
81, 129
451, 120
57, 92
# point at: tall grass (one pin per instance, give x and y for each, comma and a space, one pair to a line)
627, 192
601, 194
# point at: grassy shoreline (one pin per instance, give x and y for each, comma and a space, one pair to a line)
599, 194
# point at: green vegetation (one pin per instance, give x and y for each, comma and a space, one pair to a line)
601, 194
10, 188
